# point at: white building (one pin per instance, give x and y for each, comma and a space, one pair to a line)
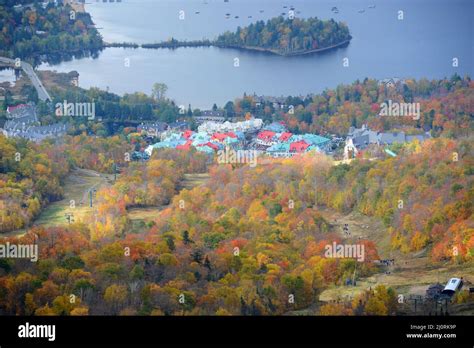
251, 125
350, 151
454, 284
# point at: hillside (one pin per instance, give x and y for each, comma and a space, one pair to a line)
252, 241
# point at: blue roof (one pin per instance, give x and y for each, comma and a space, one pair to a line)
230, 140
205, 148
315, 139
240, 134
279, 147
275, 127
201, 136
313, 147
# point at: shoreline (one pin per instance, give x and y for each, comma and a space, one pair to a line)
289, 54
179, 44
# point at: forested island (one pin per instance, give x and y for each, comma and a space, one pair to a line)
288, 36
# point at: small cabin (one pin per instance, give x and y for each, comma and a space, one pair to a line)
454, 284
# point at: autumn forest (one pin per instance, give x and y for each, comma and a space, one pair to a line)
243, 240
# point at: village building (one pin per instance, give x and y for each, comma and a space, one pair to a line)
35, 133
248, 126
25, 112
178, 126
276, 102
393, 82
210, 116
152, 129
453, 285
23, 123
299, 146
266, 138
279, 150
359, 138
285, 136
350, 150
277, 127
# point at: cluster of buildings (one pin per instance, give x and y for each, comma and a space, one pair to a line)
214, 133
153, 129
276, 141
273, 140
359, 138
210, 137
23, 122
201, 141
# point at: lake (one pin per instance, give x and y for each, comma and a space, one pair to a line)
421, 45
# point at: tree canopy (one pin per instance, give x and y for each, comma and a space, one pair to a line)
286, 36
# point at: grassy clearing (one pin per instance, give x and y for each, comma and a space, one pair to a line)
193, 180
144, 214
412, 272
77, 187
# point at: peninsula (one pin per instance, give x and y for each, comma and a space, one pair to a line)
284, 37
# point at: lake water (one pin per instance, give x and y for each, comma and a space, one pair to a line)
423, 44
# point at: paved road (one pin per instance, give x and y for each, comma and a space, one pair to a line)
28, 69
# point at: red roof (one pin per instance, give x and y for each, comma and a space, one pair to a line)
186, 146
299, 146
211, 145
187, 134
219, 136
285, 136
11, 108
223, 136
266, 135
